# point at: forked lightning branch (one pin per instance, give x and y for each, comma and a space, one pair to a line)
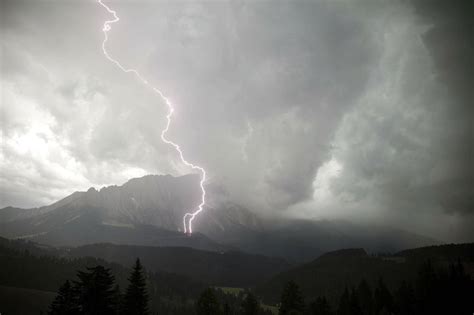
189, 216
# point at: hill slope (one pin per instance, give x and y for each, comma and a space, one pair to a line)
31, 269
329, 274
223, 269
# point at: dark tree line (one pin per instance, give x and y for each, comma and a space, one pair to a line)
433, 293
216, 302
95, 293
442, 292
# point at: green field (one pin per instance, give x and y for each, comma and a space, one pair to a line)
271, 308
236, 291
230, 290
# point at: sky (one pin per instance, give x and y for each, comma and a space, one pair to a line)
353, 110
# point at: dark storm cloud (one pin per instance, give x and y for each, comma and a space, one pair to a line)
418, 155
316, 109
290, 70
406, 147
450, 42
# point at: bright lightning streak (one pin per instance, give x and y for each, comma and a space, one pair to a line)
191, 215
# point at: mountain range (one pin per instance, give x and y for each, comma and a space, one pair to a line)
148, 211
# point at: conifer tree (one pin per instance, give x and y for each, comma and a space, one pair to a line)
344, 307
65, 302
227, 309
136, 297
320, 307
292, 301
405, 300
95, 291
383, 300
117, 300
427, 286
366, 299
460, 290
207, 303
354, 303
250, 305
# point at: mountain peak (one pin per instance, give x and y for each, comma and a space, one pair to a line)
92, 190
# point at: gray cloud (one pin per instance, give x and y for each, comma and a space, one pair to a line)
406, 147
320, 109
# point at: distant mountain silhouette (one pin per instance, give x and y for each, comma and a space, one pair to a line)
329, 274
148, 211
155, 200
304, 240
143, 211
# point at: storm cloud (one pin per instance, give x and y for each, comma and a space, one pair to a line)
325, 109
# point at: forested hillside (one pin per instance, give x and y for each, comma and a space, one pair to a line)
20, 268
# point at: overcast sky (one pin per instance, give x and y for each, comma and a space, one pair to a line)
356, 110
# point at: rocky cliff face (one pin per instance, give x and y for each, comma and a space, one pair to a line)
149, 211
155, 201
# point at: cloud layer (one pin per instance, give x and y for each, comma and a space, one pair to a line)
324, 109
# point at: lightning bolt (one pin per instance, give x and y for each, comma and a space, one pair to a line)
189, 216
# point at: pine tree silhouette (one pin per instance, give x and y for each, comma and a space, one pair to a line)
117, 300
227, 309
292, 301
207, 303
354, 303
65, 302
250, 305
366, 299
344, 307
136, 297
95, 291
383, 300
460, 290
320, 307
427, 287
405, 300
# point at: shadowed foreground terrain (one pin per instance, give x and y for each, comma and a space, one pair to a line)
32, 273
